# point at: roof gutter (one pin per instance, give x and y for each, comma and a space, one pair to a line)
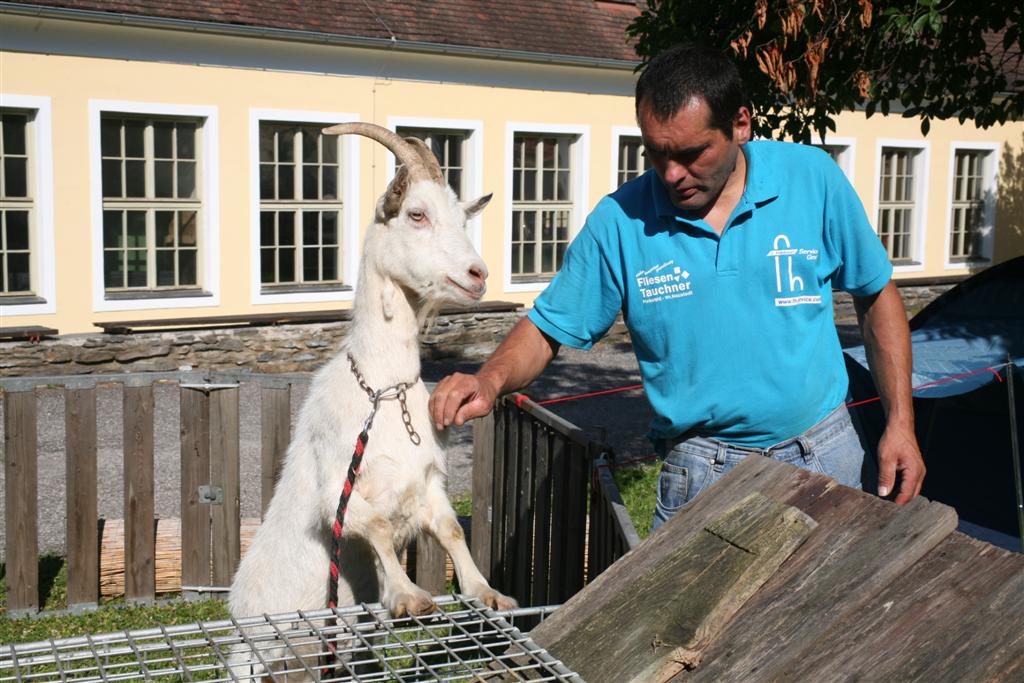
294, 35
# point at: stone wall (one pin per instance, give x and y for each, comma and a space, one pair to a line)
285, 348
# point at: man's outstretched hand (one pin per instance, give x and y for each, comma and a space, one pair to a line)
898, 454
459, 398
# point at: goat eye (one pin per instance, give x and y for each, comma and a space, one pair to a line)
416, 216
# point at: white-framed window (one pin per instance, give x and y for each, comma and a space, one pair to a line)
842, 150
546, 191
972, 187
629, 160
901, 182
26, 207
155, 205
304, 207
457, 145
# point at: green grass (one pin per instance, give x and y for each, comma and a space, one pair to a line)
637, 485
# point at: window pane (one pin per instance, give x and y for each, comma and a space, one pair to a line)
517, 185
163, 175
186, 179
16, 177
110, 138
134, 139
18, 279
163, 140
330, 182
17, 229
266, 142
113, 275
309, 150
135, 178
286, 265
547, 185
329, 229
164, 228
285, 145
563, 186
528, 259
14, 133
187, 272
266, 181
310, 264
112, 178
286, 228
285, 182
188, 228
186, 141
136, 228
455, 180
266, 265
112, 229
529, 226
547, 258
165, 268
529, 185
330, 267
267, 229
310, 227
136, 267
330, 149
309, 178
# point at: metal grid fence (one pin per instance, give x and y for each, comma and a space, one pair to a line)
462, 641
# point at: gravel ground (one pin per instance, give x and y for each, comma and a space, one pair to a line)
618, 419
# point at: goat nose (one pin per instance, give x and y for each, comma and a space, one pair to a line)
478, 273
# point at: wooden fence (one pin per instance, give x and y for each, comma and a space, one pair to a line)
538, 486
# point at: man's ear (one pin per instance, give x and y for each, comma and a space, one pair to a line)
742, 126
477, 205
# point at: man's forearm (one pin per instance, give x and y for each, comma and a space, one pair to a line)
883, 325
519, 359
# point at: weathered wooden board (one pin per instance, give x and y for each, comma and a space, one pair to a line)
224, 474
21, 470
483, 475
83, 554
139, 511
196, 523
275, 421
926, 624
861, 545
672, 608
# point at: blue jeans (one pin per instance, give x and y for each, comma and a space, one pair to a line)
691, 464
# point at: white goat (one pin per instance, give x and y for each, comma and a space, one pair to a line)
416, 257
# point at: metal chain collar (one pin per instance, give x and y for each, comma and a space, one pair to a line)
393, 391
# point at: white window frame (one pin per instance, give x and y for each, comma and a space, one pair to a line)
580, 160
473, 160
43, 243
348, 157
989, 186
918, 231
847, 160
619, 132
208, 263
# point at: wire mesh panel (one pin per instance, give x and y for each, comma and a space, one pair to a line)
462, 641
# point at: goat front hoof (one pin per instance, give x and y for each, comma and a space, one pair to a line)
496, 600
406, 604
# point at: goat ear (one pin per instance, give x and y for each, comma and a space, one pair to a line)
477, 205
387, 298
395, 193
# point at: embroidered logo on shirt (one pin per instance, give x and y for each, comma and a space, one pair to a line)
663, 282
786, 283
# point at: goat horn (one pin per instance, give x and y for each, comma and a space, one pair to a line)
403, 151
429, 160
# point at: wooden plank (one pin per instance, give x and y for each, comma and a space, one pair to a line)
20, 483
275, 434
482, 494
497, 578
195, 472
224, 474
26, 332
576, 519
430, 565
511, 497
542, 518
861, 545
522, 564
677, 605
954, 616
139, 504
559, 513
83, 553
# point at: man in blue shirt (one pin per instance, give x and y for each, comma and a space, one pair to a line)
722, 260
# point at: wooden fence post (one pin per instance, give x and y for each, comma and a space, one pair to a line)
483, 494
83, 556
275, 420
139, 506
20, 479
224, 475
195, 472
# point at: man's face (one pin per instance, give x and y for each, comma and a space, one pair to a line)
693, 160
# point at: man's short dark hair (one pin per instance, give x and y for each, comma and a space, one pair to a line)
677, 75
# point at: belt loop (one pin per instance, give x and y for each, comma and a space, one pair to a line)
720, 454
806, 447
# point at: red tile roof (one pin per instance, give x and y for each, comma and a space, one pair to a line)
579, 28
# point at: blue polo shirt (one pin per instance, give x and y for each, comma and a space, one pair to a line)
734, 333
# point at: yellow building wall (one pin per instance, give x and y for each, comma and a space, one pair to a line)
71, 82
